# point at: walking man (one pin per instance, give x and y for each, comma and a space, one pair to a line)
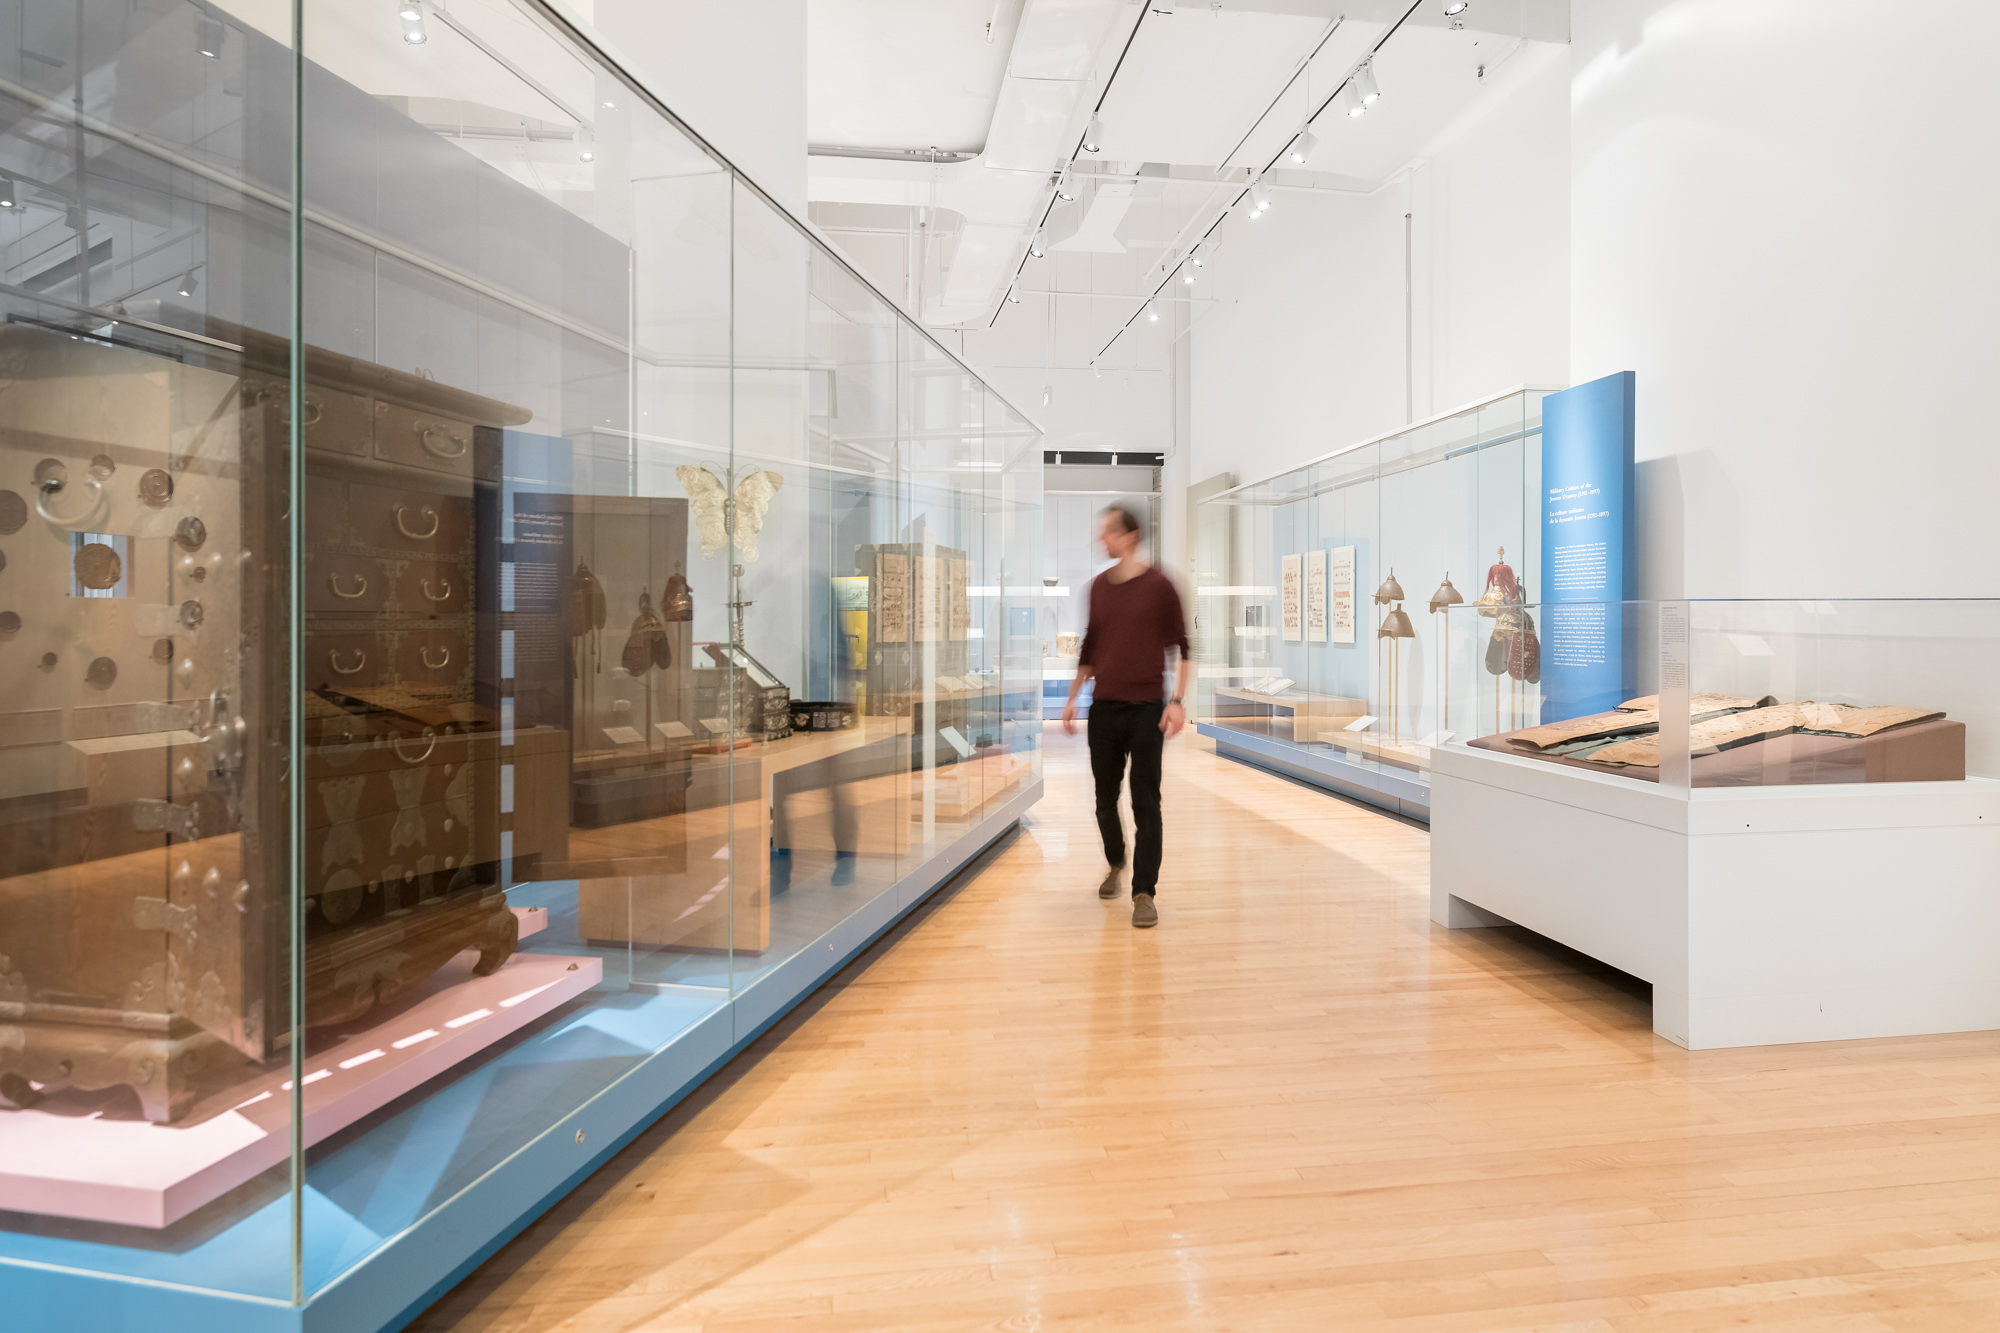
1135, 616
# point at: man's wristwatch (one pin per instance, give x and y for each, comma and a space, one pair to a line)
1175, 700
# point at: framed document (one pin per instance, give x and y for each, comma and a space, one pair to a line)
1340, 589
892, 597
1289, 598
927, 594
960, 609
1316, 596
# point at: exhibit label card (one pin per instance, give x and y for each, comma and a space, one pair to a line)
1340, 587
1289, 599
1316, 596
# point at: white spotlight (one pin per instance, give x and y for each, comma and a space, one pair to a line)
413, 29
1035, 247
586, 145
1302, 147
1350, 98
1093, 136
1364, 78
1453, 8
1064, 190
208, 37
1152, 313
1013, 294
1196, 257
1260, 199
409, 11
7, 199
1187, 275
188, 284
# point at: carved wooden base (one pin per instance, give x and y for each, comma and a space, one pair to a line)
346, 977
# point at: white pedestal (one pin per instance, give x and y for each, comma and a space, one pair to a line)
1760, 915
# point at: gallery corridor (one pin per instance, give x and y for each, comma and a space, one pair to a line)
1297, 1104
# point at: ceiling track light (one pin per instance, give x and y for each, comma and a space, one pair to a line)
1093, 135
7, 196
1363, 80
1260, 199
1013, 294
1035, 246
187, 284
586, 144
412, 15
1302, 147
1152, 312
1064, 190
1196, 256
208, 34
1453, 8
1187, 275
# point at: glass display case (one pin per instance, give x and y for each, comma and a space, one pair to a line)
498, 612
1724, 695
1319, 594
1780, 814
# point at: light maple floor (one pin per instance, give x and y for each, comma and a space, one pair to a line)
1295, 1105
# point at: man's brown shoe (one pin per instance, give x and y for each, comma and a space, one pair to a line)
1109, 887
1144, 914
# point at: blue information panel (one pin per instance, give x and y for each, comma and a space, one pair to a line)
1588, 567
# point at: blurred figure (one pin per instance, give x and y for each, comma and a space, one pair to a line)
1135, 617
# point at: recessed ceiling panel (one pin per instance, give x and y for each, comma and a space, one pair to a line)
1193, 82
905, 73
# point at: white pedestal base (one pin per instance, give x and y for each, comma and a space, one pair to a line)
1760, 915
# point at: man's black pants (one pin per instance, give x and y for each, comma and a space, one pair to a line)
1119, 730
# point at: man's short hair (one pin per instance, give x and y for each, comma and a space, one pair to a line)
1127, 520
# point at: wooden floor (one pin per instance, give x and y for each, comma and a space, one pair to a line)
1295, 1105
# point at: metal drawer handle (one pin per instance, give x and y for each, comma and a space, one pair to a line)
333, 660
84, 520
314, 411
333, 581
430, 737
444, 658
404, 528
444, 596
425, 434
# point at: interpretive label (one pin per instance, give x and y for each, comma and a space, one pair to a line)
1588, 571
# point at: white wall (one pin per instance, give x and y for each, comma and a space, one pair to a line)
1307, 352
1785, 215
735, 72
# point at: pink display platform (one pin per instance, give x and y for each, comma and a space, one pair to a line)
133, 1172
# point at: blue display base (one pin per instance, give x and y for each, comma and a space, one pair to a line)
401, 1208
1390, 789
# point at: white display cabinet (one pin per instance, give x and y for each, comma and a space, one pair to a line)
1790, 825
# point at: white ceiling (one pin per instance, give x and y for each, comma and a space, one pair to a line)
906, 73
1214, 91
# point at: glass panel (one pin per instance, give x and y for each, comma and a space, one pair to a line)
1793, 694
519, 805
1376, 541
643, 547
145, 927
